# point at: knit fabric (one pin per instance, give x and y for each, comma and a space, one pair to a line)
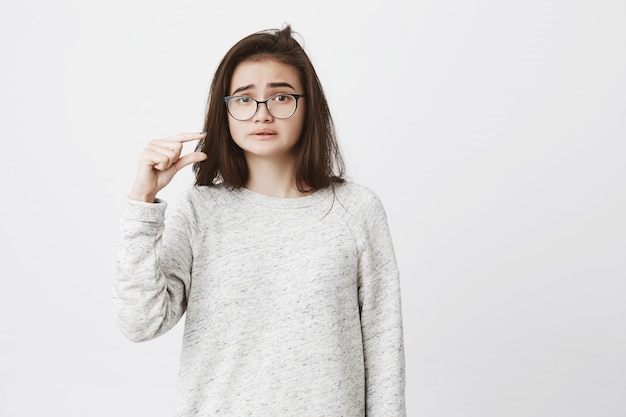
292, 305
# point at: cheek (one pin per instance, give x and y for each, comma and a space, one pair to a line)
299, 129
234, 129
298, 123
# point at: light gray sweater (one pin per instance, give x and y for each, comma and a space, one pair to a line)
292, 305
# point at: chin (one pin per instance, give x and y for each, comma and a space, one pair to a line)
268, 151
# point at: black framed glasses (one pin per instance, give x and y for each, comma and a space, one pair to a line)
280, 106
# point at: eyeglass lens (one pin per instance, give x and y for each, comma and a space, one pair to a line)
280, 106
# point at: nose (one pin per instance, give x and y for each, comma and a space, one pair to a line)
263, 113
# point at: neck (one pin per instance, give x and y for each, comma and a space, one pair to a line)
272, 178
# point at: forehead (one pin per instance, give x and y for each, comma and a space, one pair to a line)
261, 73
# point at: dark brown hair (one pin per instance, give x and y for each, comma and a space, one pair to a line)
319, 163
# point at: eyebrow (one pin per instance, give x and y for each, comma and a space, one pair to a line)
271, 85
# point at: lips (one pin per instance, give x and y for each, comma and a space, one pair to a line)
264, 133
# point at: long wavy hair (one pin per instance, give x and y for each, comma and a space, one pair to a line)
319, 162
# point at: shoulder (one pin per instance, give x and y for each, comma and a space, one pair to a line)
363, 213
360, 208
199, 201
210, 196
358, 200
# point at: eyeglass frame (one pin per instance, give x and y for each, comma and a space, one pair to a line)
227, 100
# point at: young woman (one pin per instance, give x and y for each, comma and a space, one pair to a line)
286, 271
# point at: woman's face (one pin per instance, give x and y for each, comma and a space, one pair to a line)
263, 135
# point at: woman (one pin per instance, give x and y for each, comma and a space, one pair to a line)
286, 271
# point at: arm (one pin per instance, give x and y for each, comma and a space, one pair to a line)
150, 291
381, 318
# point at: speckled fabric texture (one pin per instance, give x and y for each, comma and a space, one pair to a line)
292, 306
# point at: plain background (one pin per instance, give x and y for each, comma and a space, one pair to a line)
494, 132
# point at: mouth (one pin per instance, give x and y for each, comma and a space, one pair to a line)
264, 133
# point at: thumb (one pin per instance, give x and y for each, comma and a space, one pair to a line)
190, 159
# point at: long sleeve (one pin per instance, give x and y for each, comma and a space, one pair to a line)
381, 317
292, 306
150, 291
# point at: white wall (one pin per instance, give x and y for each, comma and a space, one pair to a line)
493, 131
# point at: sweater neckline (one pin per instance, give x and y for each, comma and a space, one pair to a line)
280, 202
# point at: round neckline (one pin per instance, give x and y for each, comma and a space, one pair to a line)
282, 202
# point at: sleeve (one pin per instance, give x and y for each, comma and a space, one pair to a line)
153, 276
381, 317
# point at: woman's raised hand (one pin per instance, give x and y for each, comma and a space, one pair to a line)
159, 162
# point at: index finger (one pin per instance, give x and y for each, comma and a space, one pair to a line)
187, 137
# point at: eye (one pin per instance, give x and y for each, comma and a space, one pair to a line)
281, 98
243, 100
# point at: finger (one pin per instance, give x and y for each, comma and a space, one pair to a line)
159, 159
187, 137
190, 159
170, 149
